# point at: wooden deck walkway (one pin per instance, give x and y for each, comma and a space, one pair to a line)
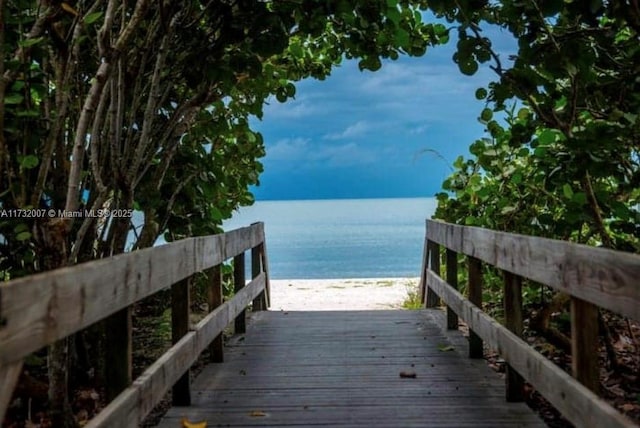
342, 368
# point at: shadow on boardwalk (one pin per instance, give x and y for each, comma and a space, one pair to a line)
342, 368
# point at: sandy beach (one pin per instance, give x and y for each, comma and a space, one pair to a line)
340, 294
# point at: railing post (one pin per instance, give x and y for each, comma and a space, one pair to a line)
423, 272
265, 269
216, 299
475, 297
259, 303
180, 311
9, 375
434, 262
238, 284
513, 321
452, 279
118, 352
584, 343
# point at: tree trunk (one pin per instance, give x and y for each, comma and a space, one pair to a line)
51, 236
59, 406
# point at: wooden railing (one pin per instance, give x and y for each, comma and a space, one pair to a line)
592, 277
38, 310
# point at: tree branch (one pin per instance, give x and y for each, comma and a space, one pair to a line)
97, 86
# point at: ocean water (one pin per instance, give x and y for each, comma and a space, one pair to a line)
346, 238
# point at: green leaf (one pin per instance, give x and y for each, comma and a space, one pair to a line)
486, 115
470, 221
481, 93
468, 67
508, 209
402, 37
92, 17
547, 136
516, 178
459, 162
216, 214
445, 348
13, 98
23, 236
540, 152
567, 191
281, 95
30, 42
523, 113
579, 198
29, 161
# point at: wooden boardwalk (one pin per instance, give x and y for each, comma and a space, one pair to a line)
342, 368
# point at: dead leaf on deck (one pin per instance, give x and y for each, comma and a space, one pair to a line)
257, 414
408, 375
188, 424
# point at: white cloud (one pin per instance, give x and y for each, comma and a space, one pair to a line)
344, 155
357, 129
288, 149
300, 151
292, 109
420, 129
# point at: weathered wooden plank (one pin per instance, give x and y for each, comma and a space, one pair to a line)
475, 296
40, 309
240, 240
435, 392
9, 375
216, 349
576, 402
606, 278
379, 414
514, 383
130, 407
452, 279
180, 320
584, 343
288, 379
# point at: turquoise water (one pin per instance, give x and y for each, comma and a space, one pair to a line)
346, 238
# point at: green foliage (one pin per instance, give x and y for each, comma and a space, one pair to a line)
565, 164
160, 122
560, 157
412, 301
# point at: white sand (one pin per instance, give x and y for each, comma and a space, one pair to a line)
340, 294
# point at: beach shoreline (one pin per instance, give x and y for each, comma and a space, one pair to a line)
340, 294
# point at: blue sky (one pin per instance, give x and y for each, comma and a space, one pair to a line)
368, 135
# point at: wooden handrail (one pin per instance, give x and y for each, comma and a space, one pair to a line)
591, 276
38, 310
606, 278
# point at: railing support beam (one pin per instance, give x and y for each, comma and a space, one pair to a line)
260, 302
584, 343
452, 279
216, 349
433, 300
180, 312
118, 355
513, 321
240, 323
475, 297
